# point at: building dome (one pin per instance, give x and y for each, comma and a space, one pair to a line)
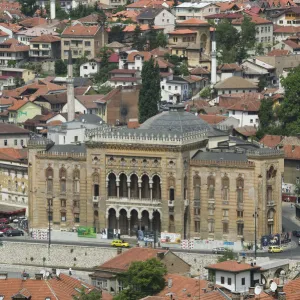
176, 120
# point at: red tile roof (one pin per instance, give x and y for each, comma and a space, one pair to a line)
229, 67
247, 131
46, 38
18, 104
212, 119
7, 101
225, 16
232, 266
193, 22
124, 79
13, 45
241, 101
2, 33
144, 27
146, 55
292, 289
12, 26
122, 261
291, 152
286, 29
12, 154
80, 30
32, 22
271, 140
292, 44
278, 52
182, 32
255, 19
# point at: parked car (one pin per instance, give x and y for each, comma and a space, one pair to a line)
4, 221
119, 243
14, 232
219, 250
297, 233
275, 249
5, 229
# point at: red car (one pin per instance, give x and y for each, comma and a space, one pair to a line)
5, 229
4, 221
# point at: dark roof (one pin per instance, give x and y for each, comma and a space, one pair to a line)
90, 118
149, 13
12, 129
80, 148
220, 156
59, 98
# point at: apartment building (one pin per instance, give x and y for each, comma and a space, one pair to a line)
82, 40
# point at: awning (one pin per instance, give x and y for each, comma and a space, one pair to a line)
11, 210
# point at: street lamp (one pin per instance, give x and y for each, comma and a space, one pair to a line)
255, 215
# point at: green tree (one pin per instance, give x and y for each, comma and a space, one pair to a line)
19, 82
227, 255
150, 94
259, 49
161, 40
60, 13
60, 67
227, 35
93, 295
205, 92
138, 39
152, 37
116, 34
289, 110
183, 69
262, 83
142, 279
11, 63
104, 89
28, 7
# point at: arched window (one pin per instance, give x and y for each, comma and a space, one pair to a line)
62, 180
49, 180
211, 187
112, 185
240, 189
76, 182
171, 185
96, 185
225, 188
145, 187
156, 189
196, 185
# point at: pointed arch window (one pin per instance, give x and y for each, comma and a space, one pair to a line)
225, 188
240, 189
211, 187
171, 184
63, 180
49, 180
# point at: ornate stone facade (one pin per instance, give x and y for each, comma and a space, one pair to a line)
160, 177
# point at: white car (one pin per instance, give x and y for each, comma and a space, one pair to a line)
1, 234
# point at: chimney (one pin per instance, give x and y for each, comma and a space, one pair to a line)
281, 296
70, 89
38, 276
52, 9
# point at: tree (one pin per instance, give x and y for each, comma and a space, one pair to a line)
150, 94
205, 92
104, 89
19, 82
142, 279
152, 37
93, 295
161, 40
183, 69
116, 34
262, 83
259, 50
28, 7
227, 255
11, 63
60, 13
138, 40
289, 110
60, 67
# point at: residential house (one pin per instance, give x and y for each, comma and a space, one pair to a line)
129, 31
235, 84
255, 69
26, 75
286, 17
225, 71
229, 7
292, 45
93, 66
124, 77
281, 33
246, 132
278, 52
12, 136
13, 53
142, 4
202, 72
234, 276
33, 22
25, 36
11, 29
14, 181
53, 102
90, 20
5, 103
125, 15
157, 16
243, 107
116, 46
212, 119
7, 83
271, 141
197, 10
83, 40
196, 84
45, 47
105, 276
23, 110
3, 36
228, 16
38, 123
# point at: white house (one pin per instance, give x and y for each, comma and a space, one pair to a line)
234, 276
225, 71
157, 16
89, 68
174, 89
195, 10
287, 17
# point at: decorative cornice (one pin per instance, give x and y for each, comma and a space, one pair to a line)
227, 164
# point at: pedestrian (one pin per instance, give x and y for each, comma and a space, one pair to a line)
70, 272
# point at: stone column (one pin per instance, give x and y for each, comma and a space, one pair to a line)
118, 188
151, 186
107, 192
129, 226
128, 188
140, 190
118, 224
151, 224
140, 224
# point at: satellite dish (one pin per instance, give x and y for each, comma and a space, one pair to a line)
273, 286
257, 290
57, 272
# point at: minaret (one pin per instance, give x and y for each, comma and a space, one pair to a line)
213, 71
70, 89
52, 9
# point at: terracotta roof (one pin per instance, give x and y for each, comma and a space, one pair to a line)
255, 19
12, 129
239, 100
12, 154
231, 16
212, 119
183, 31
144, 27
160, 52
291, 152
199, 71
246, 130
7, 101
133, 123
2, 33
286, 29
13, 45
122, 261
225, 6
229, 67
232, 266
146, 55
193, 22
292, 44
278, 52
92, 18
153, 3
12, 26
292, 289
18, 104
271, 140
46, 38
89, 100
162, 63
235, 82
130, 14
80, 30
32, 22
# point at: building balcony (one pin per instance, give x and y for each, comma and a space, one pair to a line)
95, 198
136, 201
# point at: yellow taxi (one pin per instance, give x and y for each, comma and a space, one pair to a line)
275, 249
119, 243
